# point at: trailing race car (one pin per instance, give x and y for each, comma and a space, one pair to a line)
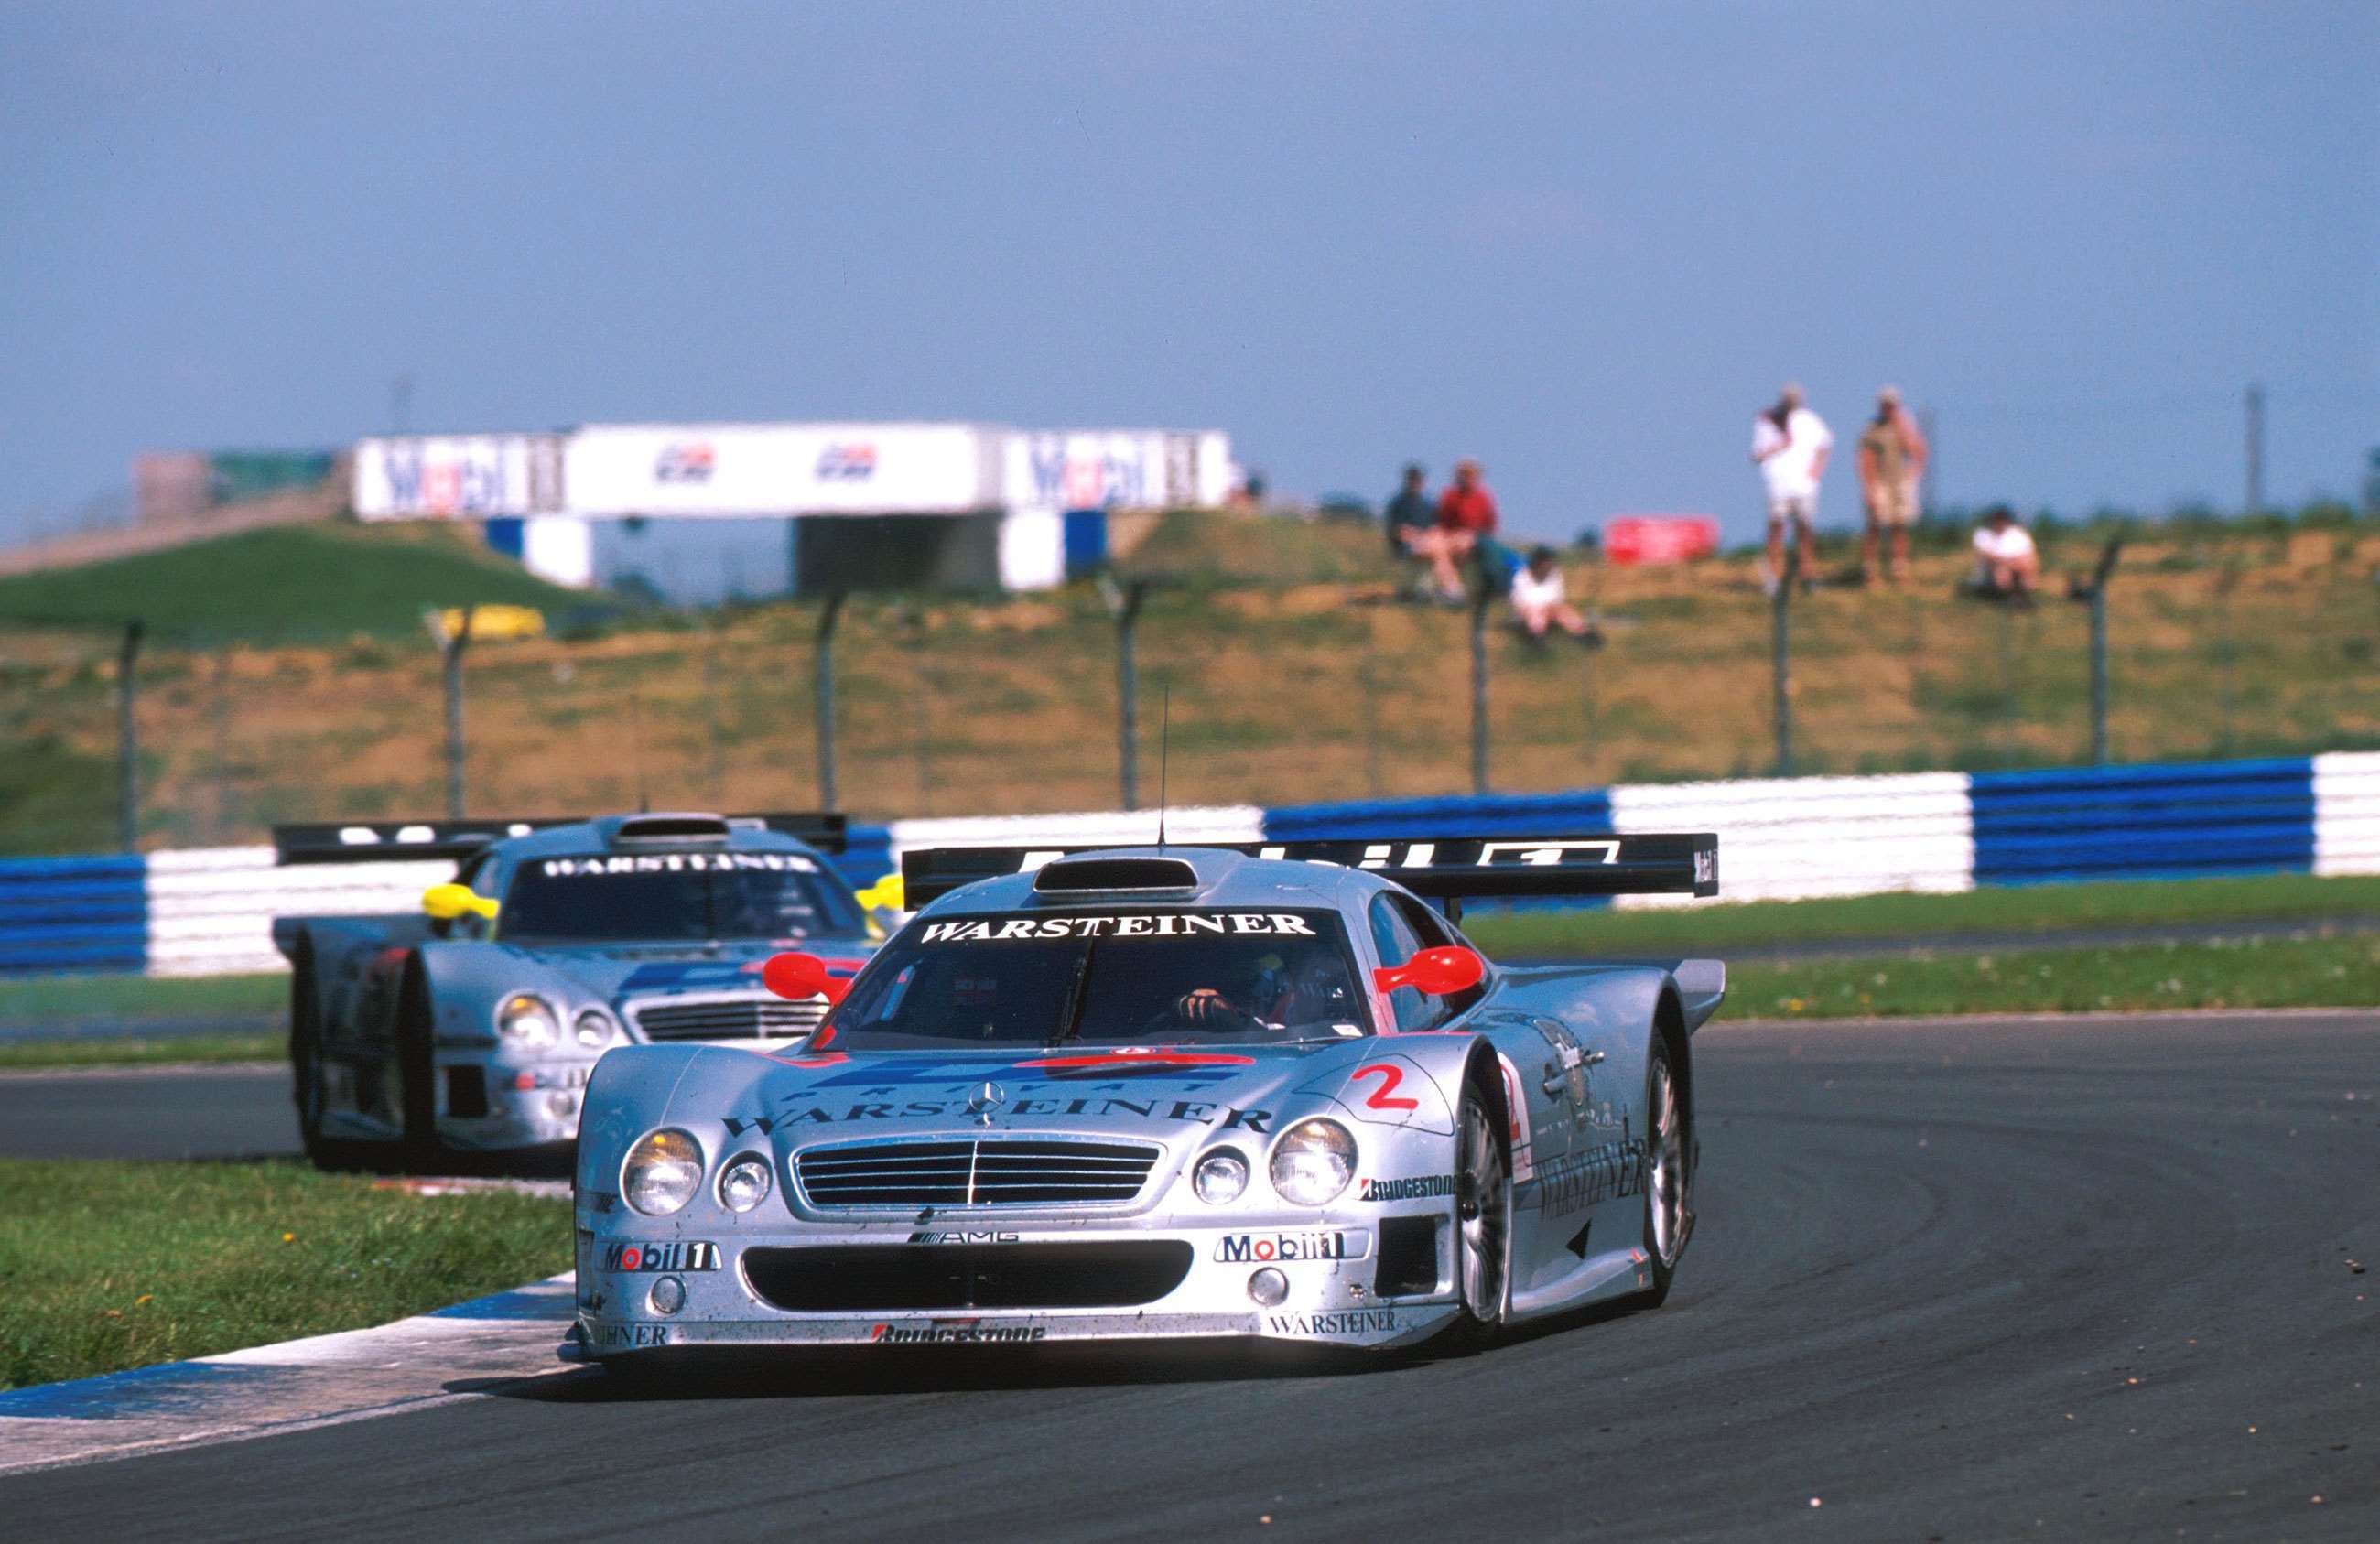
474, 1023
1191, 1091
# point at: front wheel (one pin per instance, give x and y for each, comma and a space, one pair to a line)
1668, 1178
1483, 1210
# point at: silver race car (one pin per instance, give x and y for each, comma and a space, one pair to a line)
472, 1025
1165, 1092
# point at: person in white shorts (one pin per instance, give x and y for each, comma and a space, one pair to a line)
2008, 565
1540, 601
1790, 443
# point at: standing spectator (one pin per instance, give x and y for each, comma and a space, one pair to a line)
2008, 567
1466, 518
1891, 459
1791, 444
1413, 534
1539, 602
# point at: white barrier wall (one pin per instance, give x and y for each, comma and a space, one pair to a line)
1798, 838
211, 909
2347, 812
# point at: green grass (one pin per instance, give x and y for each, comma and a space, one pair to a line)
130, 1052
316, 581
72, 998
2021, 911
108, 1266
2252, 973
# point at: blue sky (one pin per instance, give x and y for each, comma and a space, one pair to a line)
1583, 242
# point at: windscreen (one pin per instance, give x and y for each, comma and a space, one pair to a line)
1105, 977
675, 897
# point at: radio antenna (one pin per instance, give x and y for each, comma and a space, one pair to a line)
1164, 754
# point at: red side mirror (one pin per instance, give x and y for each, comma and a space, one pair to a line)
800, 975
1434, 972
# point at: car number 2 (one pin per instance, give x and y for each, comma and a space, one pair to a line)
1385, 1096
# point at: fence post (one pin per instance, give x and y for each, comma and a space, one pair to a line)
1480, 601
127, 737
450, 652
2094, 590
1126, 601
828, 618
1780, 656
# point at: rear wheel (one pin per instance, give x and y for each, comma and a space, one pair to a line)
309, 1079
417, 1071
1669, 1177
1483, 1210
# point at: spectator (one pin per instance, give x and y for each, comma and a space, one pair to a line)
1466, 518
2008, 567
1891, 459
1412, 536
1538, 601
1790, 442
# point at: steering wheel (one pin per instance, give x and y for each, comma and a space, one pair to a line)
1205, 1009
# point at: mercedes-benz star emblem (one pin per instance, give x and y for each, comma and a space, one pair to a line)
985, 1102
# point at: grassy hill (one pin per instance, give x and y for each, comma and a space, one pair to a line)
288, 582
1294, 678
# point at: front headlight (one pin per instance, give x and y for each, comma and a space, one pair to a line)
1219, 1177
744, 1182
529, 1020
1312, 1161
593, 1027
662, 1172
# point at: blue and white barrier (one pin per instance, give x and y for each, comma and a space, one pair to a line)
210, 911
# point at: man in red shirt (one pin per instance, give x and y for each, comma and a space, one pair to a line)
1466, 516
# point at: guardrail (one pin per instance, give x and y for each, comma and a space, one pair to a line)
210, 910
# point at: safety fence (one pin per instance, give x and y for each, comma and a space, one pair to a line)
209, 911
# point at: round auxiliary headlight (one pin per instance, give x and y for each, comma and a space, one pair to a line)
527, 1020
662, 1172
1268, 1287
1312, 1161
744, 1183
593, 1027
1219, 1177
667, 1296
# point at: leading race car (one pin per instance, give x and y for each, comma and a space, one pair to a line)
1165, 1092
473, 1024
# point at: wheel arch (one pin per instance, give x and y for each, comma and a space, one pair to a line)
1669, 1028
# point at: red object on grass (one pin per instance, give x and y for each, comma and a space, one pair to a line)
1630, 540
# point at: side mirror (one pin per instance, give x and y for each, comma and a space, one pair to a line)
799, 976
1437, 972
444, 902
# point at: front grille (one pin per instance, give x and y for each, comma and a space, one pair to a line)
994, 1172
728, 1018
888, 1278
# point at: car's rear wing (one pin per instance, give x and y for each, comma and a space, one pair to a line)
387, 841
1448, 867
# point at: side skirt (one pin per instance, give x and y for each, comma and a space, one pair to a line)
1613, 1273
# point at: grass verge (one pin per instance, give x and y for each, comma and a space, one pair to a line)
129, 1051
2030, 911
2249, 973
109, 1266
80, 999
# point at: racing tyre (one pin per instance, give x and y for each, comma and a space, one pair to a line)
310, 1086
1669, 1174
1482, 1232
416, 1069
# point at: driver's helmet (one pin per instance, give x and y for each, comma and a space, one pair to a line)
1303, 985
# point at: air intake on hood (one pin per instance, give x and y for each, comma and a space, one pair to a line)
1115, 873
673, 828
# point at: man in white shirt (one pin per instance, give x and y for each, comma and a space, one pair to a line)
1538, 601
2008, 566
1790, 443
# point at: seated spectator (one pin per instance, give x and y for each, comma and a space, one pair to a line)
1538, 601
2008, 566
1412, 522
1466, 516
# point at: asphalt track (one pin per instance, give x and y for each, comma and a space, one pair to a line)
1961, 1280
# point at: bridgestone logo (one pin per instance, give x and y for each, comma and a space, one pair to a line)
969, 1334
1407, 1189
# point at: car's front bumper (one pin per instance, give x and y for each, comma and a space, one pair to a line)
1333, 1300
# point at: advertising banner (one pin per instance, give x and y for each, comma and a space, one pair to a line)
446, 476
1117, 468
764, 469
1657, 539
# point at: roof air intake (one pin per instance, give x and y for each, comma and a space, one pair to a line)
1069, 875
673, 828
